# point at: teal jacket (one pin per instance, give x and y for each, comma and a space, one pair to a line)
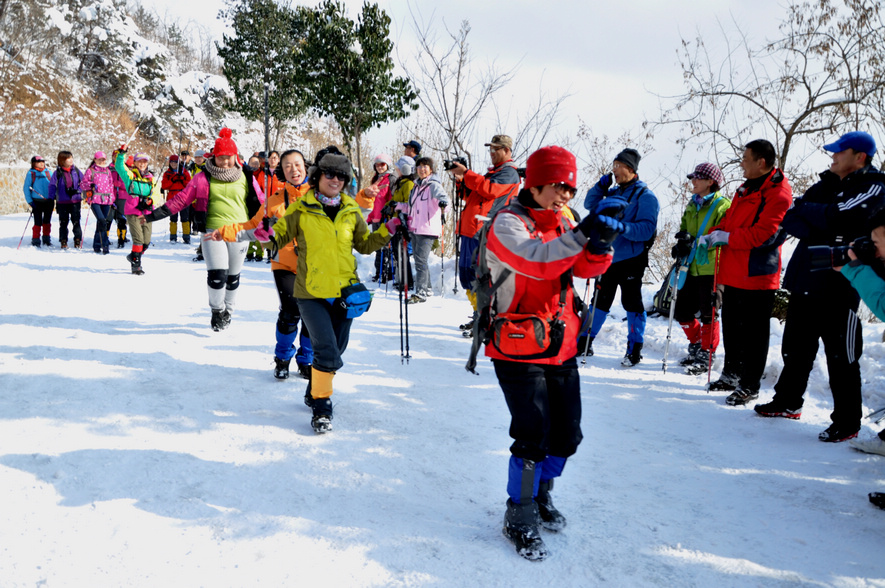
868, 284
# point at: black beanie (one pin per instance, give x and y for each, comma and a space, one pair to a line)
630, 158
335, 163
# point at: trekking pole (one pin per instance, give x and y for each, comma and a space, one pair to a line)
596, 289
401, 334
30, 216
404, 260
442, 256
715, 318
389, 268
455, 237
674, 292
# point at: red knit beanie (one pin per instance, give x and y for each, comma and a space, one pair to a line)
551, 165
224, 145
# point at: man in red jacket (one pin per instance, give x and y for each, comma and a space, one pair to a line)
501, 181
175, 179
749, 269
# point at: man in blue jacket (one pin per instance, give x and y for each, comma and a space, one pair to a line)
640, 219
823, 305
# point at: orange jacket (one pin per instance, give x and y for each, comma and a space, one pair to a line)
276, 208
501, 181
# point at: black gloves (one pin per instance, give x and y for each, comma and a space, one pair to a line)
682, 249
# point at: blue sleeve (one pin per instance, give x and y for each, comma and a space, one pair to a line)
643, 225
594, 195
869, 285
26, 188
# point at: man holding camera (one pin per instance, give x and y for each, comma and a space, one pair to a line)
823, 305
479, 194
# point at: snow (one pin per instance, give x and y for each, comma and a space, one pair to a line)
139, 448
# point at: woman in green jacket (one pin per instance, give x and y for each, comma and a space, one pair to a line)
327, 225
704, 211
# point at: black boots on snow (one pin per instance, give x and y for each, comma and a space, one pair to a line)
521, 527
551, 519
633, 356
134, 260
281, 370
220, 320
322, 415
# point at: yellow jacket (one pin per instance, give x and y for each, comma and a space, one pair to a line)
326, 262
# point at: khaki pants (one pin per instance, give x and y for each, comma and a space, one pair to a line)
140, 233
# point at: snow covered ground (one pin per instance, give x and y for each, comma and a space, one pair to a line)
139, 448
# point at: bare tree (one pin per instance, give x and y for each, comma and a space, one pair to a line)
534, 126
450, 90
824, 74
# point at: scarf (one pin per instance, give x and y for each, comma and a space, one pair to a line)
329, 200
230, 174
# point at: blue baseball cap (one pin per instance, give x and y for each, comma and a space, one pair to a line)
857, 140
414, 145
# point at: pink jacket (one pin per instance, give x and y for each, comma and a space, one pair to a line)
105, 184
381, 199
425, 215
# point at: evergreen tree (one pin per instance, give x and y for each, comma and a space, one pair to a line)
351, 72
265, 48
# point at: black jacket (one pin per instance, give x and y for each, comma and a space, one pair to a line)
833, 212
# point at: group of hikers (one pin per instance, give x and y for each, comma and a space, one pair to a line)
520, 247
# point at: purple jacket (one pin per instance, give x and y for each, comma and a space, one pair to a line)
105, 184
64, 186
425, 216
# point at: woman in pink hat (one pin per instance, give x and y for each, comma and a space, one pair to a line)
100, 188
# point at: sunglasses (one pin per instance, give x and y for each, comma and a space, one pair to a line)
563, 187
332, 175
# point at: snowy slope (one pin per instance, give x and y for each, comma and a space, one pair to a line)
139, 448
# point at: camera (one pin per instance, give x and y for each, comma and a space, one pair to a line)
145, 203
520, 171
822, 257
450, 163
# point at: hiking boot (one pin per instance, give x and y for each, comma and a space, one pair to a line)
551, 519
878, 499
468, 326
217, 320
836, 434
186, 239
104, 250
725, 383
304, 370
521, 527
78, 243
63, 244
741, 397
47, 241
633, 357
173, 238
416, 299
585, 342
702, 362
35, 242
872, 445
121, 243
692, 356
281, 371
777, 409
134, 260
322, 415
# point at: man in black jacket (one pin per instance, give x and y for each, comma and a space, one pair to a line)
823, 305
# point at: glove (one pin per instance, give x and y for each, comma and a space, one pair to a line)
605, 181
682, 249
272, 246
122, 148
264, 234
605, 229
716, 238
393, 225
610, 207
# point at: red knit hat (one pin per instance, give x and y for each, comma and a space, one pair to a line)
551, 165
224, 145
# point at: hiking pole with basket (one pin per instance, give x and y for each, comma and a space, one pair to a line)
442, 255
456, 219
28, 222
715, 316
674, 293
596, 289
404, 277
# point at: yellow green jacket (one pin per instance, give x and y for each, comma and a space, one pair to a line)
326, 262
